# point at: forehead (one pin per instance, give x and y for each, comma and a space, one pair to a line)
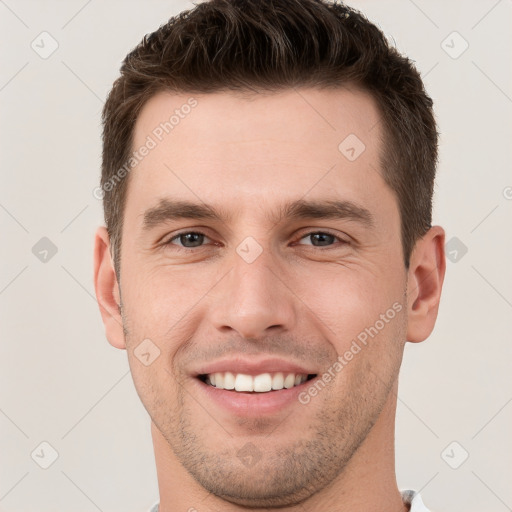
253, 151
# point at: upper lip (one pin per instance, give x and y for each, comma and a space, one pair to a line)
253, 367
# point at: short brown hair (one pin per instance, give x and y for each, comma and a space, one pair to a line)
271, 45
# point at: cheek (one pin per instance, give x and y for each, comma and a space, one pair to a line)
158, 391
159, 299
346, 301
161, 309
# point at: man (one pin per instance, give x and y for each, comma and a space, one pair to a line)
268, 169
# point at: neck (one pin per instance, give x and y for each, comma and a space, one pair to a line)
367, 483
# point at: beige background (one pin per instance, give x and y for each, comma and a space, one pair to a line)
63, 384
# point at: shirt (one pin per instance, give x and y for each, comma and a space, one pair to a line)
409, 497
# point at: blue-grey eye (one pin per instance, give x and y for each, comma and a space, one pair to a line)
321, 238
189, 239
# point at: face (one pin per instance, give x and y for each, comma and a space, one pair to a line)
261, 241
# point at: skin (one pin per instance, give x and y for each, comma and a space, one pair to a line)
298, 300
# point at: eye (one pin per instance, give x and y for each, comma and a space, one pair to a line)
322, 239
188, 239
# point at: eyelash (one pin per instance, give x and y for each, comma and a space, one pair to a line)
309, 233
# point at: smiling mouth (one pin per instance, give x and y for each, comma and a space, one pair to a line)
262, 383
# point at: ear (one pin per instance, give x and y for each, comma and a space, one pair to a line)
107, 289
425, 281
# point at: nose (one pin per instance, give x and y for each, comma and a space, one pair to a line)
254, 299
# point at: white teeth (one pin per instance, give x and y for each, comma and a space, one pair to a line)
261, 383
244, 382
218, 379
278, 381
229, 381
289, 381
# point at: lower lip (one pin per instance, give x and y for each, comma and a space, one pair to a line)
253, 404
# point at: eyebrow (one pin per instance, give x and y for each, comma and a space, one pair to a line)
169, 210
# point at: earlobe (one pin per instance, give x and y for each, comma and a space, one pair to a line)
425, 281
107, 289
